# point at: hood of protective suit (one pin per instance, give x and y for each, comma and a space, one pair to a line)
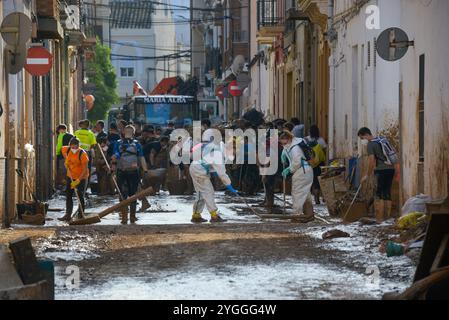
295, 141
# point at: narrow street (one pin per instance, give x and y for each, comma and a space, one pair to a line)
165, 257
286, 150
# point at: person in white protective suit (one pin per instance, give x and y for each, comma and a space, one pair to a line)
302, 175
212, 163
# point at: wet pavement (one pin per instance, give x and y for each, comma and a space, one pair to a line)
163, 256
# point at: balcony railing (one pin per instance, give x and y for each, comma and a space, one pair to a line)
270, 13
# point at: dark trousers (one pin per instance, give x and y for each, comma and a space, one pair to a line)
316, 174
69, 194
384, 182
269, 182
128, 182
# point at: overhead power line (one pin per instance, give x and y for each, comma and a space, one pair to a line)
158, 48
167, 57
174, 22
171, 6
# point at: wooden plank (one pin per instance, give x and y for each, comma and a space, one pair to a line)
279, 216
437, 228
442, 251
9, 278
35, 291
25, 260
126, 202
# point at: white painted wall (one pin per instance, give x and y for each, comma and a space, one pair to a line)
376, 82
158, 41
134, 39
427, 23
165, 40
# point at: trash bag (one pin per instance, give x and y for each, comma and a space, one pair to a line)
409, 220
415, 204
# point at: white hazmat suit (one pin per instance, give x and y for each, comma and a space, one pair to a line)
212, 162
302, 178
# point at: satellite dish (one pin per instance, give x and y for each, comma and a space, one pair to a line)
237, 64
15, 58
393, 44
16, 29
243, 80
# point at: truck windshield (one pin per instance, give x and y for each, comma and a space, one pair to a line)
161, 113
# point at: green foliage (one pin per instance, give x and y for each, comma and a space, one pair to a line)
102, 75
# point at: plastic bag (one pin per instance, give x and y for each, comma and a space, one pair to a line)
409, 220
415, 204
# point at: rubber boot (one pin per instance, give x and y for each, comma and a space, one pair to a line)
132, 213
316, 195
197, 218
308, 215
124, 216
215, 217
66, 217
308, 209
379, 210
387, 208
79, 213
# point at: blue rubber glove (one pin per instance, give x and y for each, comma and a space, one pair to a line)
286, 172
231, 189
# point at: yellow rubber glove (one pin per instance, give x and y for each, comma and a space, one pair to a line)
74, 183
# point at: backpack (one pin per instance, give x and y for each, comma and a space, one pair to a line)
320, 157
66, 139
309, 153
79, 154
128, 156
389, 152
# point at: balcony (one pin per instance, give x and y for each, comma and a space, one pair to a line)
270, 18
49, 21
71, 21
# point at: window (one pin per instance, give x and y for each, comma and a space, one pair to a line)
126, 72
422, 73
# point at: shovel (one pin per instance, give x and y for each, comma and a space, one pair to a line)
315, 216
80, 207
250, 208
353, 200
97, 217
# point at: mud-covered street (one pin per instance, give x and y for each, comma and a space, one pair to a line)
164, 256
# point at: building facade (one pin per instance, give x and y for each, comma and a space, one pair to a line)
34, 105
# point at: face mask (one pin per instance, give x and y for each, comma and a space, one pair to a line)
74, 150
364, 142
105, 148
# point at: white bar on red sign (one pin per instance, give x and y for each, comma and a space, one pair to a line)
37, 61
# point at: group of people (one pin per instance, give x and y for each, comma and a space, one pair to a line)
119, 158
123, 156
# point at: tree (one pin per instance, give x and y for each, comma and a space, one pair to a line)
105, 80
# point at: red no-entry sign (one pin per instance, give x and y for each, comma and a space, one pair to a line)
234, 89
38, 61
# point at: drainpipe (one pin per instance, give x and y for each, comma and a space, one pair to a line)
331, 38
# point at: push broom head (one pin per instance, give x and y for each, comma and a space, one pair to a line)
92, 219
